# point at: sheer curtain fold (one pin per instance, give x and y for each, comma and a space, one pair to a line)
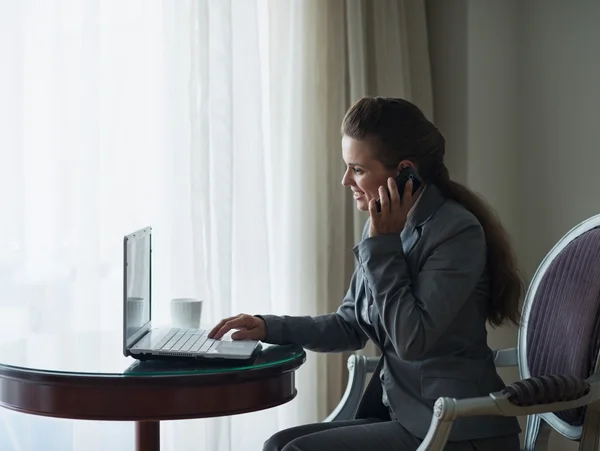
215, 121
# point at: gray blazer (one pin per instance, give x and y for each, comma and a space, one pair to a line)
421, 298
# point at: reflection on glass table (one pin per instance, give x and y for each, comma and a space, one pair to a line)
100, 354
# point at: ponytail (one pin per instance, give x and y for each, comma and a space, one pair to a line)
506, 283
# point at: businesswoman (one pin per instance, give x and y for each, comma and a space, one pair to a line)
433, 267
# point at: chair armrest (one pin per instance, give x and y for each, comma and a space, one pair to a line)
358, 367
505, 357
535, 395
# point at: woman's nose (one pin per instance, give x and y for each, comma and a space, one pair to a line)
345, 179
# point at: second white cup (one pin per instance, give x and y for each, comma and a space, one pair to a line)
186, 313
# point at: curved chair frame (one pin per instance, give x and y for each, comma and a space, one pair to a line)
564, 428
359, 366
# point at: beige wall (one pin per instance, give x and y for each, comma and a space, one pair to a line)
559, 118
517, 94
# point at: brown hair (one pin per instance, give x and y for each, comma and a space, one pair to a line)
400, 131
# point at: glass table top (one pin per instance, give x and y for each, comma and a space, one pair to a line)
101, 354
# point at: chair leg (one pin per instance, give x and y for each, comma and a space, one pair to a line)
537, 434
590, 436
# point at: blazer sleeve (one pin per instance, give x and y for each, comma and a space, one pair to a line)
333, 332
415, 313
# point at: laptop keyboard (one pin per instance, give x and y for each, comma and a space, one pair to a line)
185, 340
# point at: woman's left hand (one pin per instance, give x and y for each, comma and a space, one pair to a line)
394, 211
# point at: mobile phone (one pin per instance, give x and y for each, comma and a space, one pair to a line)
406, 174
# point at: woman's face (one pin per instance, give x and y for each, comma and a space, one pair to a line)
364, 174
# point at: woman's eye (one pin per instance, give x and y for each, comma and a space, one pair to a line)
357, 170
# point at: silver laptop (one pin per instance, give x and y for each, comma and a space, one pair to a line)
143, 342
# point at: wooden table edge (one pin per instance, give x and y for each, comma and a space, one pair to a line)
147, 398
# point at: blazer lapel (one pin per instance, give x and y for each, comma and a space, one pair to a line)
410, 235
428, 203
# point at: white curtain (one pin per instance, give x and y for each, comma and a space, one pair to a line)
214, 121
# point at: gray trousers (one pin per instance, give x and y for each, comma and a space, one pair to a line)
371, 435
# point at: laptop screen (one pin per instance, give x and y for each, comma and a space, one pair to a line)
137, 281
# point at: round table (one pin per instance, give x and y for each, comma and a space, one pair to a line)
85, 376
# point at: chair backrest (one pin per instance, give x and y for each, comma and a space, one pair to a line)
560, 326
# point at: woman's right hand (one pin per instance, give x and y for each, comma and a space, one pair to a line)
249, 328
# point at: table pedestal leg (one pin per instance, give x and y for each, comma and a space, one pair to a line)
147, 435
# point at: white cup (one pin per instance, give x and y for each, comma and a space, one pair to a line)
135, 312
186, 313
